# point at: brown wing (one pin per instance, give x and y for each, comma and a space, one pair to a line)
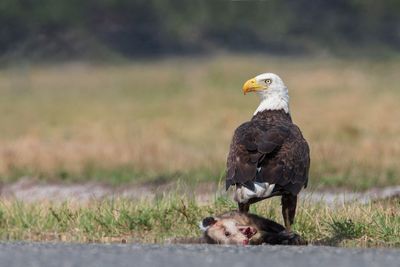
289, 167
252, 142
263, 152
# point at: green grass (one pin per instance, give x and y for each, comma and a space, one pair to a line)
173, 119
353, 225
117, 176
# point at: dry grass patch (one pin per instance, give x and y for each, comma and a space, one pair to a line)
175, 117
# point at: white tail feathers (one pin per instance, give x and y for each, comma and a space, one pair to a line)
261, 190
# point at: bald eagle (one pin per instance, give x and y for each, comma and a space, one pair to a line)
268, 155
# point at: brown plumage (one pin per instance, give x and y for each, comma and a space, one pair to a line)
270, 141
269, 149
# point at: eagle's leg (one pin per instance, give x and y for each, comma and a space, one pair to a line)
244, 207
289, 203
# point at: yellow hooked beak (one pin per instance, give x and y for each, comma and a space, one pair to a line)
252, 86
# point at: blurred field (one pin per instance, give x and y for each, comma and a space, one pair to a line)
174, 118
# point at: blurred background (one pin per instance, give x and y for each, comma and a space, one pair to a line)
65, 30
149, 91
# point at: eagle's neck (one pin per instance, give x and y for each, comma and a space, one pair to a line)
274, 100
273, 116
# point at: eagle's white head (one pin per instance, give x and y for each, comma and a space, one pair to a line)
272, 91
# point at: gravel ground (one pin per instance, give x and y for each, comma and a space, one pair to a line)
60, 255
30, 191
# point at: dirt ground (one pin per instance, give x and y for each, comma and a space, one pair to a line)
29, 190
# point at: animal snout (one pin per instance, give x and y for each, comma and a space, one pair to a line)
248, 231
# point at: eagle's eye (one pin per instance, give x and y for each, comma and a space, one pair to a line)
268, 81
